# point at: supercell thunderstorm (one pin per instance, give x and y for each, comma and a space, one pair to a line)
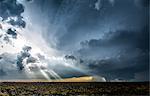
55, 39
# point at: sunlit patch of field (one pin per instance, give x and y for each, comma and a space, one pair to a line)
73, 79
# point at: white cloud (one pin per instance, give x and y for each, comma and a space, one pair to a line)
98, 5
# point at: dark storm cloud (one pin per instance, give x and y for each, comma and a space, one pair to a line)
72, 21
22, 55
8, 36
70, 57
123, 50
12, 8
18, 22
122, 37
142, 3
89, 23
121, 67
28, 0
145, 3
12, 33
131, 59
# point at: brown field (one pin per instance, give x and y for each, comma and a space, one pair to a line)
74, 88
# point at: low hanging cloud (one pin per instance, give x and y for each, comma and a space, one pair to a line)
121, 37
129, 58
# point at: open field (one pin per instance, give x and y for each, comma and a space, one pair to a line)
74, 88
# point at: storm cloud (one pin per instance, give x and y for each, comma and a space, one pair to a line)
10, 11
23, 55
122, 37
129, 56
108, 38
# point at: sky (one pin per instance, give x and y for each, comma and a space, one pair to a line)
56, 39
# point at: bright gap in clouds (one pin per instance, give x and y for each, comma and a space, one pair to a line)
43, 54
